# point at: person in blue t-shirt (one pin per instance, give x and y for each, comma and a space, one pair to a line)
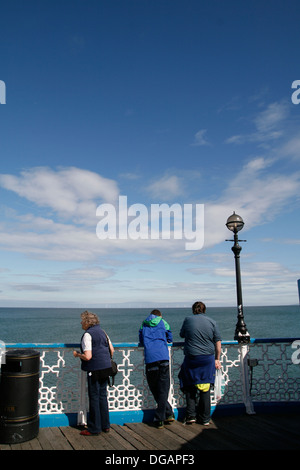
154, 334
202, 350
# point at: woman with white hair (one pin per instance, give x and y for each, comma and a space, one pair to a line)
95, 355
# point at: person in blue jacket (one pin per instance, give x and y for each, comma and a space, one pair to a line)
154, 334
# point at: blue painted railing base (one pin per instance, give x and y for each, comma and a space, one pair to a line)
115, 417
146, 416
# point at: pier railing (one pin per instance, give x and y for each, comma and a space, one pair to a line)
264, 373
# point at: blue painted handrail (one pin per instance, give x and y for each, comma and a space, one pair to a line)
136, 345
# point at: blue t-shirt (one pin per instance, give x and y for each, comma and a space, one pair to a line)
201, 334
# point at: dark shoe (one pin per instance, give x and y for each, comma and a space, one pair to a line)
204, 423
190, 420
106, 430
170, 419
85, 432
159, 424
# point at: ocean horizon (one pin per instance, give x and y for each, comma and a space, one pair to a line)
62, 325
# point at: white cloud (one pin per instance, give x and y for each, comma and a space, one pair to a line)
256, 195
291, 148
268, 125
199, 138
69, 192
270, 118
166, 188
261, 196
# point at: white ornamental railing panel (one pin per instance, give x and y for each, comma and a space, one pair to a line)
270, 372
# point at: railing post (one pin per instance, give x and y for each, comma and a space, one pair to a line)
82, 412
244, 350
171, 392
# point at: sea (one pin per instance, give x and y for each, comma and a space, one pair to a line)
62, 325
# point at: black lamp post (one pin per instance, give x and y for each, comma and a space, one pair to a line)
235, 223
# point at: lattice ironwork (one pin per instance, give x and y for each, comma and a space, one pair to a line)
275, 377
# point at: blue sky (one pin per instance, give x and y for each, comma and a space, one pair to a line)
176, 102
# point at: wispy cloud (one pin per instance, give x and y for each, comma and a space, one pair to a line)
267, 125
291, 148
200, 138
70, 192
166, 188
72, 235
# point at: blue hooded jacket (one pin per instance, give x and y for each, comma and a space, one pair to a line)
154, 335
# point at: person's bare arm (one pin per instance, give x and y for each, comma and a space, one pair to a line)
218, 354
85, 356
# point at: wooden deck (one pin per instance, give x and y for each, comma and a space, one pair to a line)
260, 432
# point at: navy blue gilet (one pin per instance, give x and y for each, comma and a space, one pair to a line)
100, 350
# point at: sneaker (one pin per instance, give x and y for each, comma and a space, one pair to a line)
190, 420
206, 423
170, 419
159, 424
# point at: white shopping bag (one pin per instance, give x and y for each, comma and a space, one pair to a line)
219, 385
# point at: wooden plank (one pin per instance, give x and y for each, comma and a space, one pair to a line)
16, 446
236, 434
77, 441
59, 442
45, 439
142, 431
100, 443
287, 426
33, 444
175, 431
226, 440
227, 432
159, 437
133, 438
275, 437
5, 447
126, 445
249, 432
199, 439
184, 432
211, 438
116, 441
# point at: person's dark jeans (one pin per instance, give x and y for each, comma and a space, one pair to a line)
158, 378
98, 417
198, 404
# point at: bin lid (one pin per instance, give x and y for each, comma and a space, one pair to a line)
22, 353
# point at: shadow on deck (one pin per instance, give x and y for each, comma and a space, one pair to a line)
254, 432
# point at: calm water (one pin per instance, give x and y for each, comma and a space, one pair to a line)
55, 325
